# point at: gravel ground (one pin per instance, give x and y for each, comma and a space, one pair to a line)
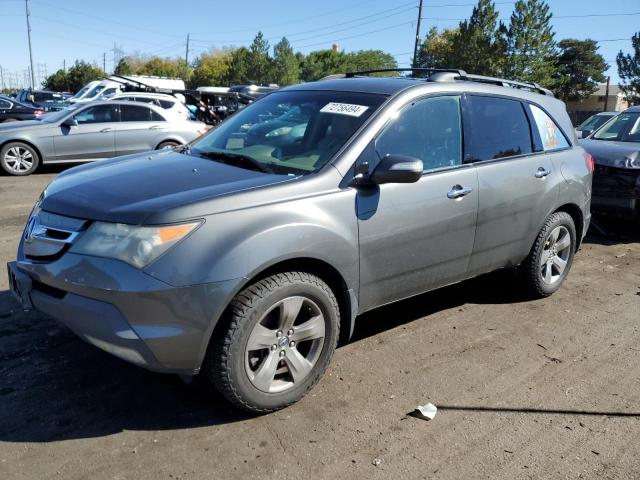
525, 389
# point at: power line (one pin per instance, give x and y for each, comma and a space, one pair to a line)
358, 35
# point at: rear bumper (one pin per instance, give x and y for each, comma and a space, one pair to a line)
126, 312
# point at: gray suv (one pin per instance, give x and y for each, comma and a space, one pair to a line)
247, 263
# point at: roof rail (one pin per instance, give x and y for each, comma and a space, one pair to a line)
503, 82
413, 70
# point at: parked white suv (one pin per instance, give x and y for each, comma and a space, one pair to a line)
167, 102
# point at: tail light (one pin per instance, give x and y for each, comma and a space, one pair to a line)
37, 113
591, 164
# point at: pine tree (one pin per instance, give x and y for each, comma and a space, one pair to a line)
479, 47
436, 50
530, 43
259, 61
629, 71
286, 68
579, 69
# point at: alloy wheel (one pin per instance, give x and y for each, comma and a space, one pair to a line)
285, 344
18, 159
555, 255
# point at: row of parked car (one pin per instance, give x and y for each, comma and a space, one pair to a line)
110, 117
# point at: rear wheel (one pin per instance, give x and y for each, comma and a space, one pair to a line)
550, 259
277, 342
17, 158
6, 120
167, 144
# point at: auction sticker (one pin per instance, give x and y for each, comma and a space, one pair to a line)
344, 109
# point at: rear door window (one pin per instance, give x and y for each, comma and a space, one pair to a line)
550, 134
135, 113
495, 128
4, 105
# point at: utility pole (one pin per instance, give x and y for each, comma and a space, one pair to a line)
26, 6
606, 95
415, 47
64, 65
1, 77
104, 62
186, 54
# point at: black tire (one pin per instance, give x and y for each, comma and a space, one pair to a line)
167, 144
6, 120
7, 165
532, 271
226, 362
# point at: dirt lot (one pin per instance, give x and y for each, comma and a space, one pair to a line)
525, 389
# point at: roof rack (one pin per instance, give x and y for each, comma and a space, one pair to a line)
451, 74
413, 70
503, 82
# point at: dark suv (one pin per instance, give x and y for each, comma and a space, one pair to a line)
248, 262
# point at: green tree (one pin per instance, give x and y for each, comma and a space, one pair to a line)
259, 61
370, 60
321, 63
123, 67
212, 68
82, 73
286, 68
629, 71
436, 50
579, 69
480, 46
163, 67
58, 81
239, 66
530, 43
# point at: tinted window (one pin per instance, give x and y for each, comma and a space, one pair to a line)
427, 129
135, 113
497, 128
97, 114
145, 100
166, 103
4, 105
156, 117
550, 134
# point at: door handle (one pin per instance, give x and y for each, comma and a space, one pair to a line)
155, 127
458, 191
106, 130
542, 172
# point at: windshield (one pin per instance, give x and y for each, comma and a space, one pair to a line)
292, 132
95, 91
82, 91
623, 128
593, 122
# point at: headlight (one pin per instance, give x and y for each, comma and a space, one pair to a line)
278, 132
138, 246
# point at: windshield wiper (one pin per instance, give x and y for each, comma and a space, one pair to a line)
236, 158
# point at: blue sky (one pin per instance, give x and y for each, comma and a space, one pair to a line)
87, 29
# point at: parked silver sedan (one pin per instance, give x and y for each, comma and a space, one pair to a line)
93, 131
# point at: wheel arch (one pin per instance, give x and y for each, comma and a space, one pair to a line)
346, 297
578, 219
26, 142
171, 139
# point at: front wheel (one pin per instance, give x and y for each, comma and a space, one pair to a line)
551, 256
276, 343
167, 144
17, 158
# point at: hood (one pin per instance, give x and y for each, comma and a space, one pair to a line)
130, 189
613, 154
11, 126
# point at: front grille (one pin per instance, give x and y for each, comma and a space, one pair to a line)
47, 235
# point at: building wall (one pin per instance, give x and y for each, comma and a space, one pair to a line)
580, 111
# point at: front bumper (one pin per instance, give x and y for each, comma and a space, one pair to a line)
124, 311
616, 191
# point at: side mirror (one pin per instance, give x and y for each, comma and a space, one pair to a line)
397, 169
579, 133
70, 122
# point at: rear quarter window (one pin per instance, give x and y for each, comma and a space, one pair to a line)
495, 128
551, 136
